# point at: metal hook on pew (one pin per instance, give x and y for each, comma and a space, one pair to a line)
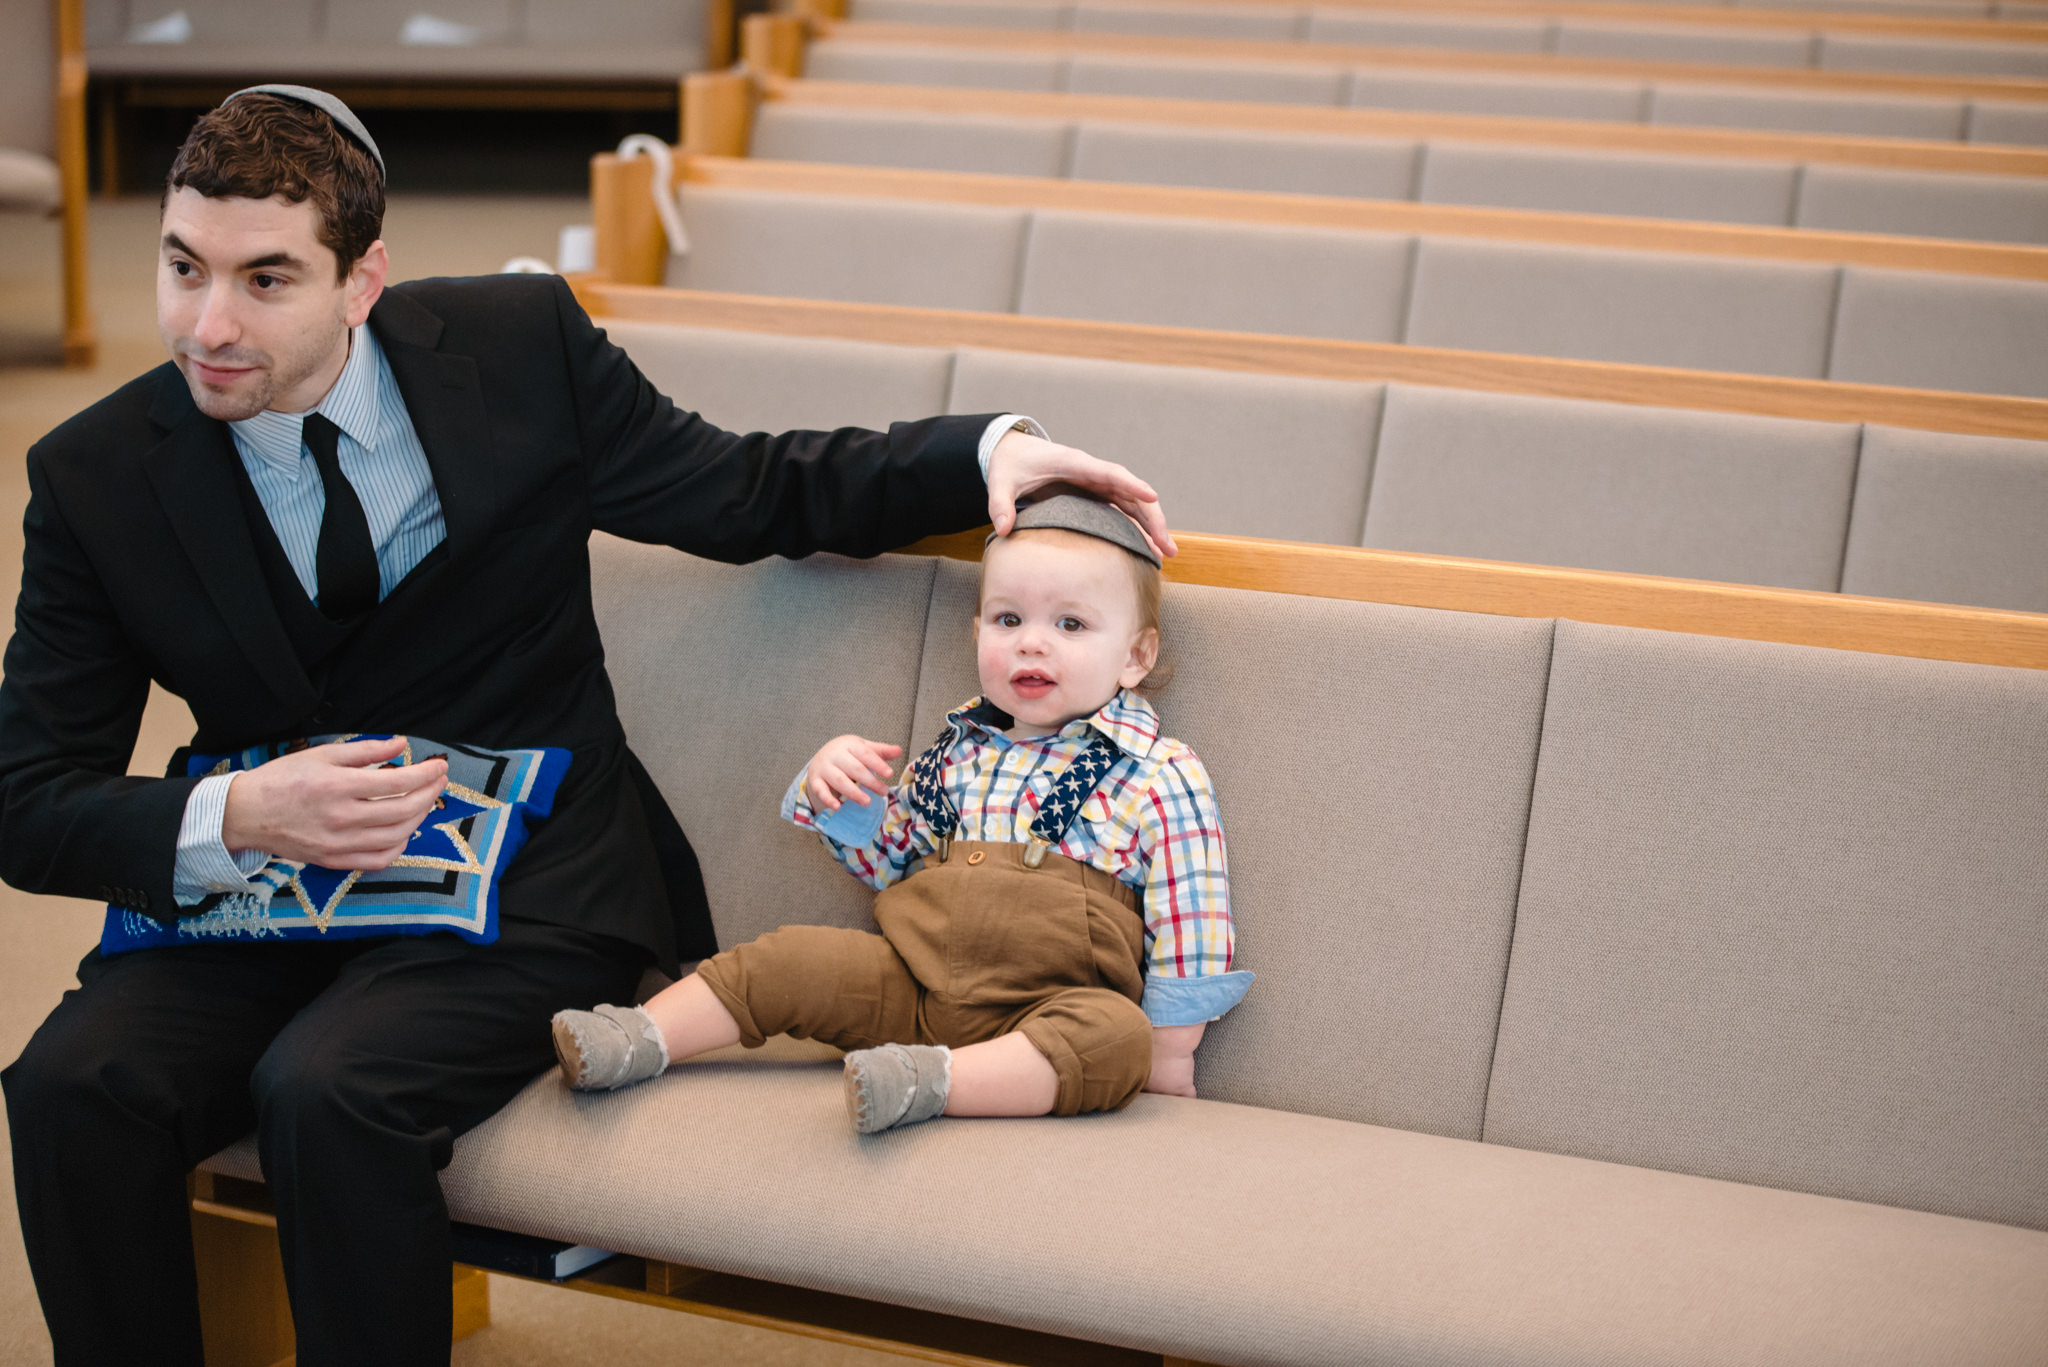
657, 151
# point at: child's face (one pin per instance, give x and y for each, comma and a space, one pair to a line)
1058, 630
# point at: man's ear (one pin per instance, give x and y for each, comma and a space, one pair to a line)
365, 283
1144, 654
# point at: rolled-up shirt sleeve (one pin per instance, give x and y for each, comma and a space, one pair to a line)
1189, 978
881, 859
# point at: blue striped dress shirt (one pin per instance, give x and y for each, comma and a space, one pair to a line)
386, 465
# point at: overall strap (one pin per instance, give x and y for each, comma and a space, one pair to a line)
1070, 789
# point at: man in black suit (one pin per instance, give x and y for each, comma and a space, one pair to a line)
315, 595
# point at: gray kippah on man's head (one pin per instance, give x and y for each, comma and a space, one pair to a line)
1072, 512
328, 105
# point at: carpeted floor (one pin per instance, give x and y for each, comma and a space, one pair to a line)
43, 938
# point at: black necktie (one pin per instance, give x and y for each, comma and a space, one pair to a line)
345, 565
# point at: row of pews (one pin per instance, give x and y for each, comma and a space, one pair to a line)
1686, 352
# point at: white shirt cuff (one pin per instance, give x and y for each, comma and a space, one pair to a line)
1000, 428
204, 864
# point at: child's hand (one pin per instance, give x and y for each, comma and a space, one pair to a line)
843, 767
1173, 1059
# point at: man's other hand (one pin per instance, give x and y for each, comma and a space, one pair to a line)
333, 805
1021, 463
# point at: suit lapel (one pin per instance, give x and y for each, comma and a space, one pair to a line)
194, 478
445, 400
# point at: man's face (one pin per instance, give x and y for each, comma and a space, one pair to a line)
248, 303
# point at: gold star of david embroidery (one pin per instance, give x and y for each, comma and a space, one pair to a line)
467, 862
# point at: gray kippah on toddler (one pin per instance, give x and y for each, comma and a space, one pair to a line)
1088, 516
328, 105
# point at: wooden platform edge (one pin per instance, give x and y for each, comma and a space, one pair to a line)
1874, 626
1363, 362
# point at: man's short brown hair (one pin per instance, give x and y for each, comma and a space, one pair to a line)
261, 145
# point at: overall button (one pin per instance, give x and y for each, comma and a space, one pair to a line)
977, 856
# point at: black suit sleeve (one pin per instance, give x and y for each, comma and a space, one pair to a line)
657, 473
70, 709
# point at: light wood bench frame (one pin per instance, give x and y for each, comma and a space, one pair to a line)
80, 337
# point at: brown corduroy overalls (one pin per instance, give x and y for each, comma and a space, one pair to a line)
976, 944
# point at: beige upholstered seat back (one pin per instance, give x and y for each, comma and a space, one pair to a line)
1250, 455
754, 382
1896, 116
1950, 519
729, 679
1694, 312
1784, 920
1934, 331
1612, 487
1203, 273
1229, 159
988, 144
1697, 188
872, 251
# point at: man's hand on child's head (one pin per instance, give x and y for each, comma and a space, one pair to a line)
1022, 462
1173, 1059
847, 769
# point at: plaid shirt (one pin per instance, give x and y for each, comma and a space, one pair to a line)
1151, 824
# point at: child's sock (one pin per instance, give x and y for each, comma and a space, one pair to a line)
897, 1084
612, 1046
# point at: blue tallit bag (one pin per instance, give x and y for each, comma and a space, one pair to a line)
447, 880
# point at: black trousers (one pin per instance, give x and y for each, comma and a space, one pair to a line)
357, 1063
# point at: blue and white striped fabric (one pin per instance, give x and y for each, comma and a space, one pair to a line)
380, 453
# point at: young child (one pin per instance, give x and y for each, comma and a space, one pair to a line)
1055, 919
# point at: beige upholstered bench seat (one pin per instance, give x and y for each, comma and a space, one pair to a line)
1235, 1234
1418, 87
1623, 997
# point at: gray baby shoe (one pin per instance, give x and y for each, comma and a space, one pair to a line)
612, 1046
897, 1084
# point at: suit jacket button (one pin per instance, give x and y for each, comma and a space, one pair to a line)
107, 894
324, 713
142, 899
